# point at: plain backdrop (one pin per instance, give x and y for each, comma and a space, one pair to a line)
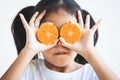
109, 39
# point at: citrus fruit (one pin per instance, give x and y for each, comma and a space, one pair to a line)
70, 32
47, 33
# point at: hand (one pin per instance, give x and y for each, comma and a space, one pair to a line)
86, 42
31, 29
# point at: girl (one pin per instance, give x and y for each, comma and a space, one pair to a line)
62, 61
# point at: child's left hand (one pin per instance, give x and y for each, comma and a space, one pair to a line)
86, 42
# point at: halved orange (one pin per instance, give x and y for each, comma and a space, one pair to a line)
71, 32
47, 33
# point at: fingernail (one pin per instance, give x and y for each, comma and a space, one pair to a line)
78, 11
88, 15
37, 12
20, 14
44, 11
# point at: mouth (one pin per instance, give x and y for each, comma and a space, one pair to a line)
61, 53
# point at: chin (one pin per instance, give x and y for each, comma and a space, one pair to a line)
61, 62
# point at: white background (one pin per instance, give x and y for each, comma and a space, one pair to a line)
109, 39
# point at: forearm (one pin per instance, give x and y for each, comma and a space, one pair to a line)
17, 68
102, 70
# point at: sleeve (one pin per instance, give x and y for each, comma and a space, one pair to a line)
94, 76
27, 73
32, 71
90, 73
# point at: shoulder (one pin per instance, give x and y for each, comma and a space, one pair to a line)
88, 67
88, 72
35, 64
33, 69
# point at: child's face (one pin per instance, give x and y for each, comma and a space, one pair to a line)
59, 55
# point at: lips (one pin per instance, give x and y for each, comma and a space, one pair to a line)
60, 53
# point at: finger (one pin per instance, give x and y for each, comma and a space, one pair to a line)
80, 19
65, 44
37, 21
52, 45
32, 20
24, 22
87, 22
95, 27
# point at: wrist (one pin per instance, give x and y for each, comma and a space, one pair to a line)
30, 50
88, 53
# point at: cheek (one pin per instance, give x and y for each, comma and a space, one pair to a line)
48, 54
73, 55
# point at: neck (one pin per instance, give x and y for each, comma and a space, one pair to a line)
67, 68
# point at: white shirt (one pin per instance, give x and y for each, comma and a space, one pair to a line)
37, 70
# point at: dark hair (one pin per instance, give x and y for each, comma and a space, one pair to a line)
69, 6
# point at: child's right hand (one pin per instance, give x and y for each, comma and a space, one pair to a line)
31, 29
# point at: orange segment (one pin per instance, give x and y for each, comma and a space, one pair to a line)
47, 33
70, 32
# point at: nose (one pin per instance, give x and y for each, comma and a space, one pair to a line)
59, 43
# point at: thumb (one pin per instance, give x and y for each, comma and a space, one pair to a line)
65, 44
52, 45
